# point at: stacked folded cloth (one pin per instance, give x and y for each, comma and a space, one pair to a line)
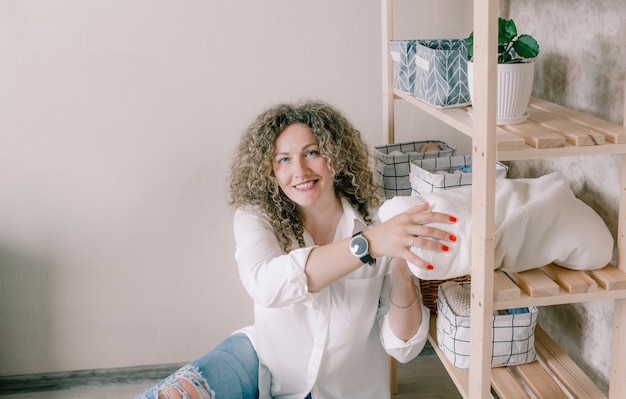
538, 221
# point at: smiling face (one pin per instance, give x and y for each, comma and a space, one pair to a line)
300, 170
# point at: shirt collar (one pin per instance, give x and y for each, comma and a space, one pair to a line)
351, 221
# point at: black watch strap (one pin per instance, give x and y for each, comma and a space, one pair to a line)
367, 258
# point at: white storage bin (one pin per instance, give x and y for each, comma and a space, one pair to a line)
444, 173
513, 332
392, 163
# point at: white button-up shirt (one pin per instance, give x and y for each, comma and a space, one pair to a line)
333, 343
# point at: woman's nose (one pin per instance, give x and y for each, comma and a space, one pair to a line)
300, 167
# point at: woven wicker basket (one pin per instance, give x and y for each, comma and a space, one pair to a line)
429, 290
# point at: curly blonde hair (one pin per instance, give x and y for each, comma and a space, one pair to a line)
252, 178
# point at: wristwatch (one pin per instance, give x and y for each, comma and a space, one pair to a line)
359, 247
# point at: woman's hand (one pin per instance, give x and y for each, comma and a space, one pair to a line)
409, 229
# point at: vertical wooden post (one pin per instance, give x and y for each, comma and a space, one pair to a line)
388, 97
388, 121
393, 375
483, 195
617, 387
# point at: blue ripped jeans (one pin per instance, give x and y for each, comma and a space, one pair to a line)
230, 371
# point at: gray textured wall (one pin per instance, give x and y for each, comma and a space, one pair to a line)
582, 65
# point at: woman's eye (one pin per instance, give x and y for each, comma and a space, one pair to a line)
283, 160
312, 153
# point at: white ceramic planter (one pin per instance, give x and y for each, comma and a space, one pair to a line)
515, 85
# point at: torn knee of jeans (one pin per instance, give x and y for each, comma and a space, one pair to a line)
188, 382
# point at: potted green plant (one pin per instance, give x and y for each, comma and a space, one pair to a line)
515, 71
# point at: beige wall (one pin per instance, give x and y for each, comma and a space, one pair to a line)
118, 119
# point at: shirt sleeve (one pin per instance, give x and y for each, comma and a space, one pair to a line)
271, 277
403, 351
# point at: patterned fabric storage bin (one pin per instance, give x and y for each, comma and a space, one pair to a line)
513, 330
436, 174
403, 55
441, 72
392, 163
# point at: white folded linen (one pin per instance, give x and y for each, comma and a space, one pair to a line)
537, 221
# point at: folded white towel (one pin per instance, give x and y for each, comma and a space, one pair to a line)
457, 296
537, 222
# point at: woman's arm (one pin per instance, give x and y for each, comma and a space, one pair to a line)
405, 310
269, 275
392, 238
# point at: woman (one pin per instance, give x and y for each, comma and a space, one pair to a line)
332, 292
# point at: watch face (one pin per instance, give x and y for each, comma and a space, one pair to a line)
358, 246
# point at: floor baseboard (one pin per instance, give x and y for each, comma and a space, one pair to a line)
16, 384
69, 379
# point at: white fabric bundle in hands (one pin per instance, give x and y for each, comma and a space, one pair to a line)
537, 222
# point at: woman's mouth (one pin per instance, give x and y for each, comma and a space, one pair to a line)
306, 185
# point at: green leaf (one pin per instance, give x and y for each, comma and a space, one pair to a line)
511, 48
506, 30
470, 46
526, 46
504, 57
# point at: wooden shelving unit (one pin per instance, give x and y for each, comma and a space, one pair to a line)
551, 131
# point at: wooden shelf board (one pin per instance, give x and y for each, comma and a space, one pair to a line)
614, 133
506, 384
562, 366
575, 134
458, 118
536, 283
554, 375
562, 298
558, 129
539, 381
536, 135
554, 285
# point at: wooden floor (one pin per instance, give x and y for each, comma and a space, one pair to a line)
423, 378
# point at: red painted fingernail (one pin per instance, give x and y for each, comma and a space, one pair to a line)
452, 219
430, 267
452, 238
445, 247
